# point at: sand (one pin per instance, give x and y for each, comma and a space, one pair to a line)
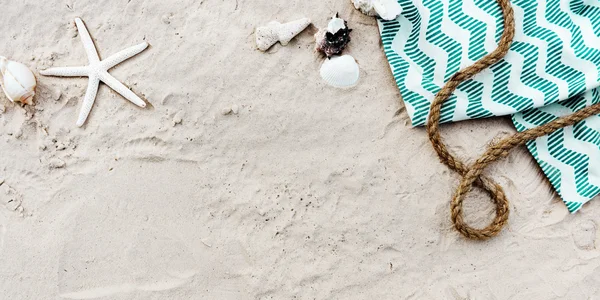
307, 192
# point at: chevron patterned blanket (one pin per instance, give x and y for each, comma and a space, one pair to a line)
552, 70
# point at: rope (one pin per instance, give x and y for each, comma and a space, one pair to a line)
472, 175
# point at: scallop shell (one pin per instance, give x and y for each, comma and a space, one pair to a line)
340, 71
17, 81
386, 9
267, 36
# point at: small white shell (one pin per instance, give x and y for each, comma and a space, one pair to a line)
386, 9
340, 71
267, 36
336, 24
17, 81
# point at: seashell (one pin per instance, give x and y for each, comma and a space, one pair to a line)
336, 24
17, 81
274, 32
385, 9
340, 71
333, 39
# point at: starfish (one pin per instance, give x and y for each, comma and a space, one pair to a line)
97, 71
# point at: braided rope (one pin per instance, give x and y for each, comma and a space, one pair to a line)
472, 175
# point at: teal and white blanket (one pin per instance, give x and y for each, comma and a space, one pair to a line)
551, 70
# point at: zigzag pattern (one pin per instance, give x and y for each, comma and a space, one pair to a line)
556, 54
570, 154
552, 68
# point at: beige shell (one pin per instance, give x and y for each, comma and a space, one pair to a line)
17, 81
267, 36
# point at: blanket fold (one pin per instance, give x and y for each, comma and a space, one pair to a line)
551, 70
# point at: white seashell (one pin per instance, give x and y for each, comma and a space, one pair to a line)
340, 71
17, 81
386, 9
274, 32
336, 24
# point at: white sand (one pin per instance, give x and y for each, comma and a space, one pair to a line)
309, 192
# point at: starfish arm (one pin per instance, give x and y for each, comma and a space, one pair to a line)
120, 88
88, 44
66, 71
123, 55
88, 100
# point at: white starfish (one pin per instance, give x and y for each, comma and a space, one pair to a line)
97, 71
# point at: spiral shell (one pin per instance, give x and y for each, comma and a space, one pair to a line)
333, 39
17, 81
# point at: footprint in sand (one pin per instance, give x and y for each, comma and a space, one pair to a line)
148, 148
111, 250
584, 235
18, 185
145, 260
133, 244
11, 200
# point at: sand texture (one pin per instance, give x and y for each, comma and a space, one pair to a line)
303, 191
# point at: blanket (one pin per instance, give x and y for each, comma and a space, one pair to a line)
551, 70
